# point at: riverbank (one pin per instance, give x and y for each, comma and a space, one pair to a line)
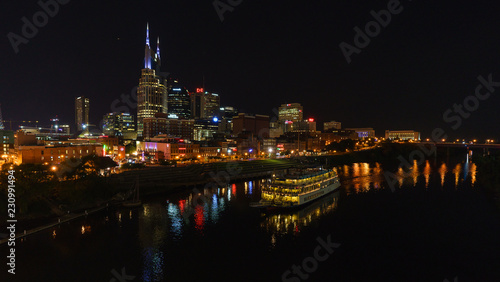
76, 196
69, 200
441, 227
168, 179
66, 218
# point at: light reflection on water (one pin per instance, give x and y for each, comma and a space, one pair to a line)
442, 171
472, 171
456, 172
363, 177
197, 211
188, 212
164, 221
427, 173
292, 222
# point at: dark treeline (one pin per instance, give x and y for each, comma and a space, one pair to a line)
41, 191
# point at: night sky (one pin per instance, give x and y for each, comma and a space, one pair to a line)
263, 54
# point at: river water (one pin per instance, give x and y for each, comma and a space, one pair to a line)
436, 225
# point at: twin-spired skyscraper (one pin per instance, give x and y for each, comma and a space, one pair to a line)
152, 89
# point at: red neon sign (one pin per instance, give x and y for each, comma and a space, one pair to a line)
311, 120
199, 90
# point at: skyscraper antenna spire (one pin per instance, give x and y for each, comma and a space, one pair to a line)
158, 47
147, 34
147, 50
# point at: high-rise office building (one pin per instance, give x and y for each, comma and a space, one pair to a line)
226, 115
82, 105
160, 124
197, 101
204, 105
228, 112
179, 101
308, 125
291, 112
212, 105
258, 125
118, 124
152, 89
331, 125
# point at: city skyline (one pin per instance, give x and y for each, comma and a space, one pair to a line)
100, 58
270, 140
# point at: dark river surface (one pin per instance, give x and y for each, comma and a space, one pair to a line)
436, 225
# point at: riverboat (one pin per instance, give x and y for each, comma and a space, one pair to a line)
297, 187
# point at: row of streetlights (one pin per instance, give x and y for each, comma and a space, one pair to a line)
488, 141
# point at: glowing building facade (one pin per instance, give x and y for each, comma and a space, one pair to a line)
118, 124
152, 89
179, 102
402, 135
204, 105
82, 109
291, 112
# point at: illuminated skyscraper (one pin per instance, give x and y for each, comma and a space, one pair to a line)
204, 105
212, 105
118, 124
82, 105
152, 90
179, 101
291, 112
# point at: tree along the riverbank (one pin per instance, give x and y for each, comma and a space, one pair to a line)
41, 191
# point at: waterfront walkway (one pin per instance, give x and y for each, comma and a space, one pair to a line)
158, 179
167, 179
63, 219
